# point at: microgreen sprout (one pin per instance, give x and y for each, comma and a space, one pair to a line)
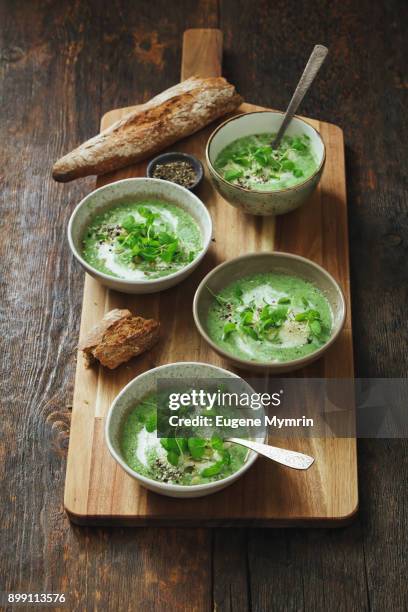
143, 240
197, 449
264, 322
254, 156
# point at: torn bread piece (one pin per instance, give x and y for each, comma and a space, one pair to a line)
118, 337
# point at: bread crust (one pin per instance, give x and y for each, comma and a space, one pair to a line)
118, 337
174, 114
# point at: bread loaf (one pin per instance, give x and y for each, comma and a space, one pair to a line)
166, 118
119, 337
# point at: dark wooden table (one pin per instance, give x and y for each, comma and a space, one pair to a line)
63, 64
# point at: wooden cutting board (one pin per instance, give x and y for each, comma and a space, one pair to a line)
97, 491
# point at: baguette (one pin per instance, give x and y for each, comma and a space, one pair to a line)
119, 337
174, 114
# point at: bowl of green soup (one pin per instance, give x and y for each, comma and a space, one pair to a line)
256, 178
176, 467
273, 312
140, 235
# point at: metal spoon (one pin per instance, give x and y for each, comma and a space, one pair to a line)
316, 59
292, 459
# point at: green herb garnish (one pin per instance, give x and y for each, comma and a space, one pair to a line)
196, 446
143, 240
244, 158
238, 293
232, 175
263, 323
213, 470
198, 449
151, 423
313, 319
228, 329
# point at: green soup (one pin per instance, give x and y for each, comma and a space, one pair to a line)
251, 162
182, 461
270, 318
141, 240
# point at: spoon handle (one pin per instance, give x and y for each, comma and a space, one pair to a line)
292, 459
316, 59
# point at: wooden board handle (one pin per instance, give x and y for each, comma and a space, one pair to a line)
202, 53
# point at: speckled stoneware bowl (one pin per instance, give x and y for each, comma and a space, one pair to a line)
146, 383
134, 189
258, 263
275, 202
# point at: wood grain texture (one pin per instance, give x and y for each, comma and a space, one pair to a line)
60, 61
62, 65
202, 53
354, 84
325, 493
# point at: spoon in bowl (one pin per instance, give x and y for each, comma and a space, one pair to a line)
292, 459
313, 66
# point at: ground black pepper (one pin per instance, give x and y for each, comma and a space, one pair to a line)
180, 172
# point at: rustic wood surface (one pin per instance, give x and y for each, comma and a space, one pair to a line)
62, 65
97, 490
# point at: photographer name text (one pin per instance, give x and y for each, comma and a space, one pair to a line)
236, 422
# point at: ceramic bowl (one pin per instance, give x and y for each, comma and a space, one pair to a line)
275, 202
175, 156
136, 390
257, 263
134, 189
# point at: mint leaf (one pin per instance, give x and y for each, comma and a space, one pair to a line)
315, 327
182, 443
173, 458
241, 160
238, 293
212, 470
288, 165
196, 446
170, 444
228, 329
217, 443
298, 145
232, 175
250, 331
265, 313
275, 316
226, 457
267, 323
247, 317
129, 223
165, 238
151, 423
169, 252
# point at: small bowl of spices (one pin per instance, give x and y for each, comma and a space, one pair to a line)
180, 168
